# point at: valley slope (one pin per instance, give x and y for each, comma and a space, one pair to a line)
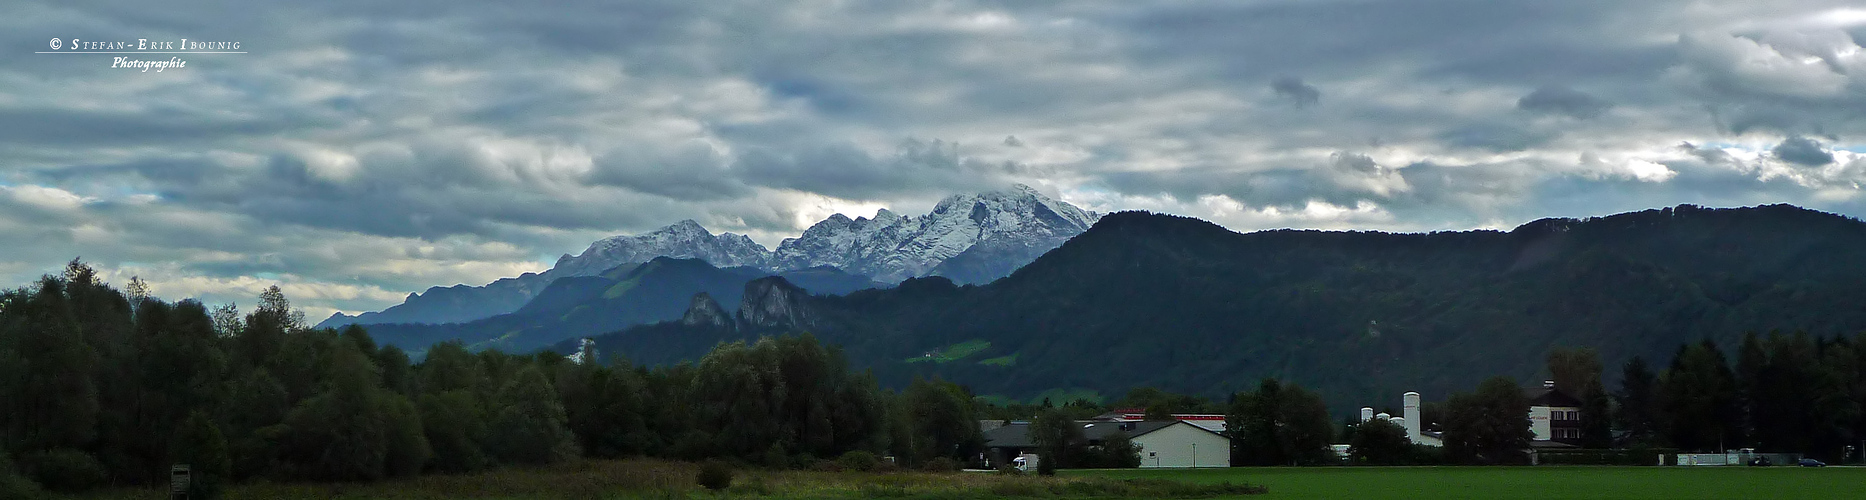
1186, 305
617, 298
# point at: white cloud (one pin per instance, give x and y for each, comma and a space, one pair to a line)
1649, 171
45, 197
365, 150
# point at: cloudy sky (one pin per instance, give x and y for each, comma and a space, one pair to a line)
362, 150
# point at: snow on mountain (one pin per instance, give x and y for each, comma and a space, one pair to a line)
892, 248
970, 238
683, 240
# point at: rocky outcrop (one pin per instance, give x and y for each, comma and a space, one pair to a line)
774, 302
704, 311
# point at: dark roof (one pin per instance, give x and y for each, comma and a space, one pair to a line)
1549, 396
1017, 434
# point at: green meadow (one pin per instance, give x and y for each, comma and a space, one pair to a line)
1566, 482
668, 480
659, 479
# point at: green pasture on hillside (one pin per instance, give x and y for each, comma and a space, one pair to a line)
953, 352
1569, 482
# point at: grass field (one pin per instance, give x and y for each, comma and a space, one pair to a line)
953, 352
669, 480
657, 479
1000, 360
1503, 483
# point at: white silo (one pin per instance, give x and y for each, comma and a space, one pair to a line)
1411, 414
1367, 413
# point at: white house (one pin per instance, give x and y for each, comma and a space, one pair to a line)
1554, 416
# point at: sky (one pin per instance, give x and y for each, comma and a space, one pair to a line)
357, 151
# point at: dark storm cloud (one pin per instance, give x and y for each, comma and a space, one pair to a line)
847, 172
46, 126
1499, 137
377, 148
691, 171
1295, 91
1788, 81
1563, 101
1802, 151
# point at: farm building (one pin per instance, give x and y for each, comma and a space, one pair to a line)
1412, 420
1554, 418
1173, 443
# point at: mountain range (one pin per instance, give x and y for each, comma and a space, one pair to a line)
661, 289
1182, 304
969, 238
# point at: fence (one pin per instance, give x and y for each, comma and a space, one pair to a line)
1603, 457
1738, 458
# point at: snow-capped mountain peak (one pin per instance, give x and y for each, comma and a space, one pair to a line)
685, 239
892, 248
970, 238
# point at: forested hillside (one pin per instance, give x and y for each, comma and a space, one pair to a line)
1157, 300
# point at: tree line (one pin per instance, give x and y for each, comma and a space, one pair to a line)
110, 387
1782, 393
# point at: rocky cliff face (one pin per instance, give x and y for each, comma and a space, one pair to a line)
704, 311
773, 301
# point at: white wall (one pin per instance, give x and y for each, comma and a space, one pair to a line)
1539, 422
1173, 445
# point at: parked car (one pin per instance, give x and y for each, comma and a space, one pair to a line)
1809, 462
1760, 462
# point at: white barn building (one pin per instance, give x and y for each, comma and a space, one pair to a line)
1164, 444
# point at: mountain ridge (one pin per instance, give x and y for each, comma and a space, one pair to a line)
1186, 305
1008, 229
662, 289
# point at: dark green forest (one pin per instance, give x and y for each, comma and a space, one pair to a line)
1359, 317
1749, 315
104, 387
